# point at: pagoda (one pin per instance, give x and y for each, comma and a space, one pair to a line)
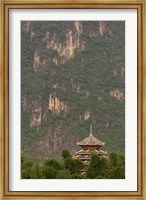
88, 146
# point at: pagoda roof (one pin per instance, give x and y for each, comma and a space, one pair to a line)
86, 153
91, 140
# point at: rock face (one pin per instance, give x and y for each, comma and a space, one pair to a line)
65, 50
71, 72
119, 70
87, 115
47, 147
55, 105
117, 93
102, 27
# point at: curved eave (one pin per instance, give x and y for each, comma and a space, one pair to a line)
91, 144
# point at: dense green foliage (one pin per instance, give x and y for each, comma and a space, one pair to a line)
70, 168
92, 69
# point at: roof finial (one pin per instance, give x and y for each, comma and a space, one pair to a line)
91, 130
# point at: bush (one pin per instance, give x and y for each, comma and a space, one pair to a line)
64, 174
49, 173
53, 163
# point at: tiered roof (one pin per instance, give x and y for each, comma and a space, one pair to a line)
91, 141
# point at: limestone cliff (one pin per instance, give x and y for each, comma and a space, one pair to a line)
55, 105
73, 74
64, 49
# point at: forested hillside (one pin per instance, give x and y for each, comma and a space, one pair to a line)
72, 75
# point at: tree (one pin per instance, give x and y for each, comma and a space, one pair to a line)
25, 174
30, 169
116, 173
73, 165
77, 176
27, 164
97, 167
63, 174
37, 171
49, 173
116, 169
114, 159
66, 154
53, 163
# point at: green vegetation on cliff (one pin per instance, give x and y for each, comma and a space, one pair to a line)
87, 83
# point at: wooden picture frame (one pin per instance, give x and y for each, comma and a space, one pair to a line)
4, 105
